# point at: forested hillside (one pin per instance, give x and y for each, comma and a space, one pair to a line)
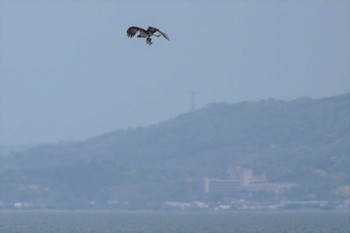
305, 141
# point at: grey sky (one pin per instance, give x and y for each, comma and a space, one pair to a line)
68, 70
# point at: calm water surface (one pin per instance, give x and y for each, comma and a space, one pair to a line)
175, 222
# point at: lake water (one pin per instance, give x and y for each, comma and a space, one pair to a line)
175, 222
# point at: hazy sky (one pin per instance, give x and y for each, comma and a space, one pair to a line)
69, 72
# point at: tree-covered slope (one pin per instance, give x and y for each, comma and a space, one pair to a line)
304, 141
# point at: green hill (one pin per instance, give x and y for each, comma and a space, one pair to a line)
305, 141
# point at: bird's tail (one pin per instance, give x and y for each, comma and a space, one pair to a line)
164, 35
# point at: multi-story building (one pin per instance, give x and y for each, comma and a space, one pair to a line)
243, 179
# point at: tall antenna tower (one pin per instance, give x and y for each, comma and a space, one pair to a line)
193, 101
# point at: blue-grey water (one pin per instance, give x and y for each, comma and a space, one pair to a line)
175, 222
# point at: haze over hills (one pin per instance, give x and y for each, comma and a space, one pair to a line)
304, 142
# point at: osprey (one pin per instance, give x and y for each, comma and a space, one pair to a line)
145, 33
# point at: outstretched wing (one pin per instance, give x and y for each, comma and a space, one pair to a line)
153, 30
132, 31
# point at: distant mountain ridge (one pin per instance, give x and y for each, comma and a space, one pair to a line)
306, 141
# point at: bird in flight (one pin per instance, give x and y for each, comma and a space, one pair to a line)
131, 32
